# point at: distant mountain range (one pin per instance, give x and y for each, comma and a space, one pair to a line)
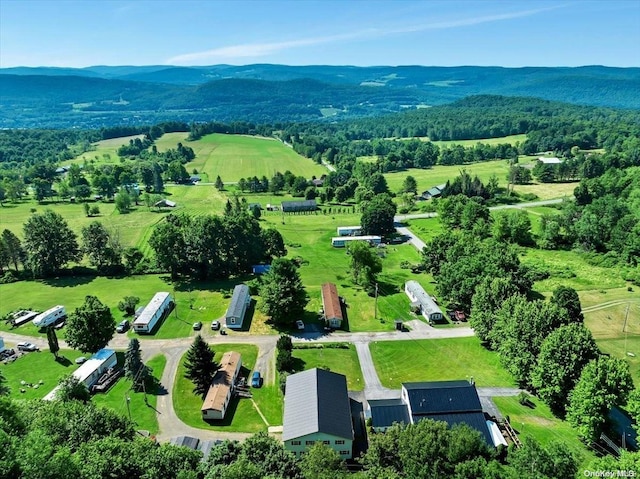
109, 95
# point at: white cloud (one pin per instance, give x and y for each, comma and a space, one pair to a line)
256, 50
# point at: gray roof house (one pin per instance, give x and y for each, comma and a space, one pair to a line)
303, 205
421, 300
316, 408
238, 306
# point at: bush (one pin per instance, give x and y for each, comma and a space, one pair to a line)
284, 343
9, 277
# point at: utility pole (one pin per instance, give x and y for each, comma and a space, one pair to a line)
375, 308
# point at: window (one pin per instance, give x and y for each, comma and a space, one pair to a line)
326, 442
295, 443
344, 453
339, 441
233, 320
309, 443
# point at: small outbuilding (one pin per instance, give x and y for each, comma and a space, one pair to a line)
238, 307
165, 203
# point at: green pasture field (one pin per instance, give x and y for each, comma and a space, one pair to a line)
239, 156
241, 415
511, 140
207, 300
143, 415
308, 237
437, 360
338, 360
35, 367
540, 424
105, 152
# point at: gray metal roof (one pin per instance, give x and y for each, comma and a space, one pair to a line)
238, 300
316, 401
303, 205
384, 412
475, 420
427, 304
442, 397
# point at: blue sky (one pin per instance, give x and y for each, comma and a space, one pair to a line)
332, 32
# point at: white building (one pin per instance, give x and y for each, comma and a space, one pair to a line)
342, 241
159, 305
221, 390
91, 370
238, 307
50, 317
349, 230
419, 298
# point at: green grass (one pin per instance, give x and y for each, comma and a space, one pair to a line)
238, 156
206, 298
511, 140
437, 360
105, 152
540, 424
144, 416
241, 415
36, 367
343, 361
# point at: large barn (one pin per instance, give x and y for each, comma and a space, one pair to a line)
295, 206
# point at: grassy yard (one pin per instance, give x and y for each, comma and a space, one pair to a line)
540, 424
239, 156
39, 369
143, 415
343, 361
241, 415
437, 360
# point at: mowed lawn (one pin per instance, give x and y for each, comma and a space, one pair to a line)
105, 152
39, 370
339, 360
143, 415
241, 415
540, 424
437, 360
511, 140
238, 156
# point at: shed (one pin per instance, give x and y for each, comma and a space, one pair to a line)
429, 309
331, 305
238, 307
165, 203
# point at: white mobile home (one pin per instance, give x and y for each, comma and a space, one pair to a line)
50, 317
22, 317
159, 305
342, 241
423, 301
91, 370
238, 307
221, 390
349, 230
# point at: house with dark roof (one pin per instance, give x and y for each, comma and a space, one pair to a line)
454, 402
434, 192
238, 307
331, 305
317, 409
295, 206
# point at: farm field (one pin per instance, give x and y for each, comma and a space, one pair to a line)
437, 360
238, 156
35, 367
106, 151
539, 423
339, 360
144, 416
511, 140
241, 415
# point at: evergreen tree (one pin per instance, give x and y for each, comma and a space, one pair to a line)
219, 183
199, 366
134, 368
52, 339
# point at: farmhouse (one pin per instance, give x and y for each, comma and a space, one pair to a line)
159, 305
349, 230
342, 241
422, 301
454, 402
221, 390
91, 370
295, 206
238, 306
331, 305
316, 408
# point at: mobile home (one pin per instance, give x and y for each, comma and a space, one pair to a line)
221, 390
238, 307
159, 305
423, 301
349, 230
50, 317
342, 241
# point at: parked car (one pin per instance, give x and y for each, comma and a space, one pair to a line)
460, 316
122, 326
197, 326
256, 379
27, 347
300, 325
81, 360
215, 326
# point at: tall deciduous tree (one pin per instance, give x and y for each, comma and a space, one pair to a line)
13, 248
91, 326
49, 243
70, 388
567, 298
487, 300
199, 366
273, 243
102, 248
604, 383
322, 462
409, 185
377, 216
282, 292
562, 356
365, 264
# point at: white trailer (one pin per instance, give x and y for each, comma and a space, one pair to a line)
342, 241
349, 230
2, 348
153, 312
50, 317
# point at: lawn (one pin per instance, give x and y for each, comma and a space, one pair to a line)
143, 415
239, 156
511, 140
202, 301
437, 360
540, 424
39, 369
105, 152
338, 360
241, 415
